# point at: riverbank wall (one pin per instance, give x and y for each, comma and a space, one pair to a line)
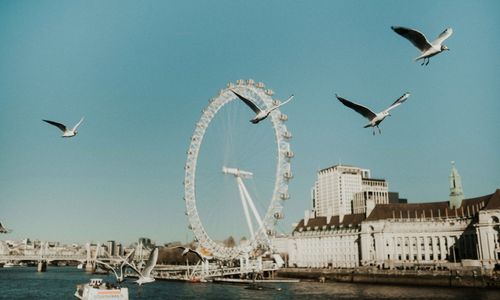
454, 278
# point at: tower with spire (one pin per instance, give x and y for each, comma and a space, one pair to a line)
456, 191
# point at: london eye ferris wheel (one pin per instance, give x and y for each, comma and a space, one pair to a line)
260, 220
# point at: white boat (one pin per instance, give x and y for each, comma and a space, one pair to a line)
80, 266
9, 265
97, 289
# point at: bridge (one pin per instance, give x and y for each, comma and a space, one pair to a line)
46, 257
206, 271
43, 255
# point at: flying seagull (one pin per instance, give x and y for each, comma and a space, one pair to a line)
418, 40
145, 274
66, 132
260, 114
374, 118
187, 250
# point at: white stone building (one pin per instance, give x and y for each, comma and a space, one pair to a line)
326, 242
394, 235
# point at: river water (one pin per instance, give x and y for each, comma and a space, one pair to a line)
60, 283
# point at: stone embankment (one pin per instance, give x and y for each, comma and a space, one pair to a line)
454, 278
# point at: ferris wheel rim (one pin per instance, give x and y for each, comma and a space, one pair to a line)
283, 172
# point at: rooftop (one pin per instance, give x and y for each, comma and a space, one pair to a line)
436, 210
468, 209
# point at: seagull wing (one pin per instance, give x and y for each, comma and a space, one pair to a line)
153, 258
415, 37
285, 102
443, 36
248, 102
399, 101
78, 124
58, 125
363, 110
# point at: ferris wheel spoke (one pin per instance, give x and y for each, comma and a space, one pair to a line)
250, 203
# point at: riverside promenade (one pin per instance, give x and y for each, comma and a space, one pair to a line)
448, 278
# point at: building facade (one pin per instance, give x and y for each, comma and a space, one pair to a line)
373, 191
334, 189
399, 235
402, 235
321, 242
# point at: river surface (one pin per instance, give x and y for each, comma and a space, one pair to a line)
60, 283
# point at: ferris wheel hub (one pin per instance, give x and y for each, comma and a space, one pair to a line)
237, 172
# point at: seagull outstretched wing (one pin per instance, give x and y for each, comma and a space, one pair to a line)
78, 124
399, 101
153, 258
415, 37
363, 110
248, 102
443, 36
58, 125
286, 101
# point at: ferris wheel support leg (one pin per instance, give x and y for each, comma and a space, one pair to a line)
241, 188
252, 205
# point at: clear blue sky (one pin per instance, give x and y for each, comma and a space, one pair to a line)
141, 72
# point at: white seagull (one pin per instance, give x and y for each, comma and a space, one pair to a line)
374, 118
66, 132
187, 250
260, 114
418, 40
145, 274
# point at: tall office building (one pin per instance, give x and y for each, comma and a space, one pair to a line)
111, 248
335, 187
373, 191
